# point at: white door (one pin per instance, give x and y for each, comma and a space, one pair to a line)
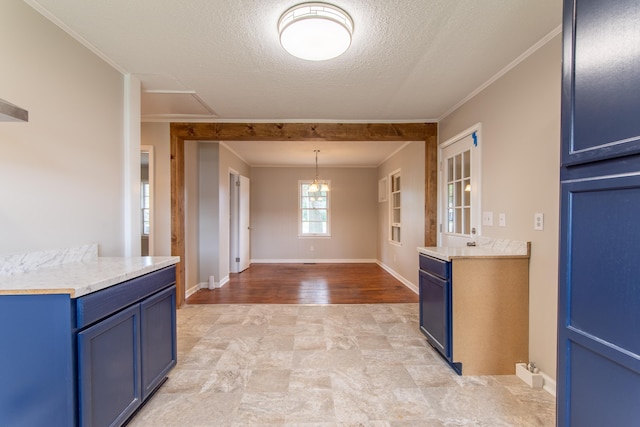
244, 225
460, 189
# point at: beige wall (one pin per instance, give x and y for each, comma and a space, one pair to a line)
520, 116
403, 260
62, 172
274, 215
207, 224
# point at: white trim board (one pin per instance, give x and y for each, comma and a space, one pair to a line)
399, 277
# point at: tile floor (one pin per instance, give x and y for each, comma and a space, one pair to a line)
326, 365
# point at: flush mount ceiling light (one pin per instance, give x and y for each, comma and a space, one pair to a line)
315, 31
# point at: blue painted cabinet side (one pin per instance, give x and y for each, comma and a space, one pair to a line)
37, 362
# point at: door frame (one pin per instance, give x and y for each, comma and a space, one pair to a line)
236, 214
234, 221
181, 132
151, 168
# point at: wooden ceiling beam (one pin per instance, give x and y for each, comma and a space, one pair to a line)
304, 131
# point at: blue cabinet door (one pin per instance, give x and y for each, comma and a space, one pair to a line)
599, 334
158, 338
109, 386
435, 312
600, 80
599, 281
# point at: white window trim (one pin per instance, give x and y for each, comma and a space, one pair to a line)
390, 222
383, 189
313, 235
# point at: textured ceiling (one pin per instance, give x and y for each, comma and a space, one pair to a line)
220, 60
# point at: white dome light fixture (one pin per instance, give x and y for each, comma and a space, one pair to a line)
315, 31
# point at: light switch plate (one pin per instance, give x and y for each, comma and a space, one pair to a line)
487, 218
502, 219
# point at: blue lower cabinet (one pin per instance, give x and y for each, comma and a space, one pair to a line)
434, 311
124, 358
89, 361
435, 305
109, 386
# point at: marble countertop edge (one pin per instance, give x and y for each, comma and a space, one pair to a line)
504, 249
81, 278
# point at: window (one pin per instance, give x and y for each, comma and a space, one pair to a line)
395, 207
459, 193
145, 205
314, 211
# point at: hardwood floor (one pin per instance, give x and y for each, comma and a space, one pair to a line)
308, 284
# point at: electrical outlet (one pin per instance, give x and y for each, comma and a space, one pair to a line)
502, 219
538, 221
487, 218
311, 248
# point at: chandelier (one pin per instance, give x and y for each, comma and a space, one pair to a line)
317, 185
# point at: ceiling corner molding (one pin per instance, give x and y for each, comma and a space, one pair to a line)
527, 53
44, 12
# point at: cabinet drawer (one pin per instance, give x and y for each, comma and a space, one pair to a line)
435, 266
98, 305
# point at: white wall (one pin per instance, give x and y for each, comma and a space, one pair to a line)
520, 116
274, 215
403, 259
61, 173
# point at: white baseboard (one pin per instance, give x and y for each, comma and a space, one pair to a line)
192, 290
222, 282
205, 285
548, 383
313, 261
402, 280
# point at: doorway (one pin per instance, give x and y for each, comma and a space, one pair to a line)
459, 188
181, 132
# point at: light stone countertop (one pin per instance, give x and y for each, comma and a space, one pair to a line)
486, 248
81, 278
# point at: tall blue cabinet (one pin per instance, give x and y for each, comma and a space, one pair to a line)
599, 272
